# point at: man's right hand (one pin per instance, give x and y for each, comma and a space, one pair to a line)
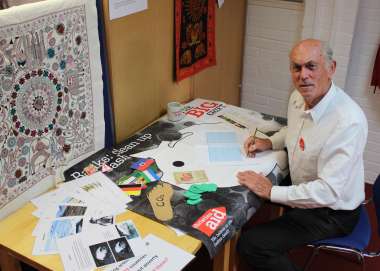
252, 145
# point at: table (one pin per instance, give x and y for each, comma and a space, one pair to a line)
16, 239
18, 247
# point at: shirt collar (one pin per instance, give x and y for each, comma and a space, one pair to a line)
317, 111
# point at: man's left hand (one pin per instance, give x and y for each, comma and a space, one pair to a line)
257, 183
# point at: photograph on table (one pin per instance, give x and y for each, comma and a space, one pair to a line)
102, 255
67, 210
121, 249
127, 229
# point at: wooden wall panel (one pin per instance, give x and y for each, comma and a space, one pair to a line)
223, 82
140, 55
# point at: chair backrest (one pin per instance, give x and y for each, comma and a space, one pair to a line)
376, 201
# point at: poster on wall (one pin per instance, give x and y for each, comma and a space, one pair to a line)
194, 36
51, 94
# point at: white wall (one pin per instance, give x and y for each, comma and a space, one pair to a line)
272, 27
332, 21
352, 28
365, 44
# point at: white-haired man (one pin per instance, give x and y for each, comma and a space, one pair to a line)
325, 140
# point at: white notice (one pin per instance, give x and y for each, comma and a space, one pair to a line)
120, 8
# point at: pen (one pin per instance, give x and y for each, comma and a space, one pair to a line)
250, 144
254, 135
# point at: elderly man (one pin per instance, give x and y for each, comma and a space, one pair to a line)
325, 140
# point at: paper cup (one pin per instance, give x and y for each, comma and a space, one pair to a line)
174, 111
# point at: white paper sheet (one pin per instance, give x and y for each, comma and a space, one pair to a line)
161, 255
195, 157
103, 190
61, 210
96, 220
50, 230
120, 8
64, 194
101, 248
100, 195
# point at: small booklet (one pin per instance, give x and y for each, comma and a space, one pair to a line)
188, 177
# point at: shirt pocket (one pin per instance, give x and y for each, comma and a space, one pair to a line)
307, 164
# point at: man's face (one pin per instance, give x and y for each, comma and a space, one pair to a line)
311, 74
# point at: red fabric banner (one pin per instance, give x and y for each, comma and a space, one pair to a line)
194, 36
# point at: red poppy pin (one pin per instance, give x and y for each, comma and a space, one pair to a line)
302, 144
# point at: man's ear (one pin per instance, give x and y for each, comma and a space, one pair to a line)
332, 68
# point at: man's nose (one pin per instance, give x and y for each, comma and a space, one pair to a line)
305, 73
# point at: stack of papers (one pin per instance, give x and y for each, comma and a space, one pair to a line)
77, 220
84, 204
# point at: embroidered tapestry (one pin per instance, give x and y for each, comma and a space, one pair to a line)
51, 93
194, 36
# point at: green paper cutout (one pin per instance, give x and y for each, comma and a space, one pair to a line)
193, 201
191, 195
201, 188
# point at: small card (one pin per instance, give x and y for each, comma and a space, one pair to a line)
132, 189
140, 177
137, 177
186, 177
142, 164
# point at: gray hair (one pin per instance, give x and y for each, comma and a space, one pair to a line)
327, 52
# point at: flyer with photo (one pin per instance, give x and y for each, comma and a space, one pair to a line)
101, 247
160, 255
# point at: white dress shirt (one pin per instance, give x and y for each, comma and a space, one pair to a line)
325, 150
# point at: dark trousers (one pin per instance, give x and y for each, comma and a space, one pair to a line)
265, 246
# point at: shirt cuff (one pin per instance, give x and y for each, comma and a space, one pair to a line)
277, 142
279, 194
